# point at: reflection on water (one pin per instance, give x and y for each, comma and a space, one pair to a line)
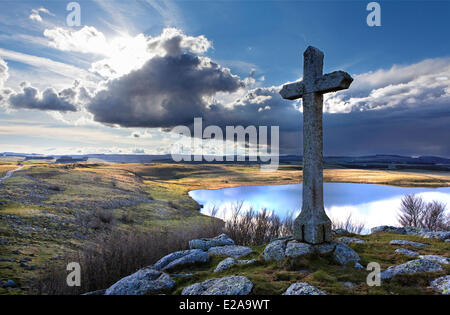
372, 204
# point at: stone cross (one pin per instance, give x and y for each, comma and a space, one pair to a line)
313, 225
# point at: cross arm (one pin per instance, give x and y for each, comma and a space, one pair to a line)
331, 82
293, 91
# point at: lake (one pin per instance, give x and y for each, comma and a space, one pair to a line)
372, 204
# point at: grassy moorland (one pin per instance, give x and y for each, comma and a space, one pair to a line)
273, 278
49, 209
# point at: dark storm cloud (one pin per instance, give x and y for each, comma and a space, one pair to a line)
50, 100
167, 91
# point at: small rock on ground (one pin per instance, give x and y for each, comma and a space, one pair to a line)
344, 255
143, 282
404, 242
436, 258
207, 243
441, 284
407, 252
225, 264
234, 285
296, 249
410, 267
234, 251
349, 240
275, 250
303, 288
386, 228
181, 258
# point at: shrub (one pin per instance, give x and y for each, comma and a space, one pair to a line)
117, 254
348, 224
411, 211
415, 212
434, 216
256, 228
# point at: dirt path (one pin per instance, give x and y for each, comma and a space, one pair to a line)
9, 174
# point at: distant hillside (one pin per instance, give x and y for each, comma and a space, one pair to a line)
370, 161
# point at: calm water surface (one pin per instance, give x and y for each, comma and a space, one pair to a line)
372, 204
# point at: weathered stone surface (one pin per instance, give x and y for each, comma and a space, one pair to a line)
344, 255
340, 232
407, 252
410, 243
387, 228
9, 284
229, 262
303, 288
234, 251
275, 251
246, 262
234, 285
143, 282
225, 264
417, 231
207, 243
296, 249
439, 259
442, 235
98, 292
441, 284
358, 266
313, 225
349, 240
413, 266
325, 248
181, 258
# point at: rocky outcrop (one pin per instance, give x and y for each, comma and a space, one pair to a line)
407, 252
442, 235
275, 251
234, 285
415, 231
349, 240
143, 282
387, 228
234, 251
181, 258
325, 248
410, 243
439, 259
303, 288
345, 255
340, 232
441, 285
229, 262
207, 243
296, 249
411, 267
225, 264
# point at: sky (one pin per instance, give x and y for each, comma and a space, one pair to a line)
133, 70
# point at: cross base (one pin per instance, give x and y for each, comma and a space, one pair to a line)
315, 229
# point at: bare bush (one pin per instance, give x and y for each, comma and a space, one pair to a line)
348, 224
415, 212
117, 254
256, 227
411, 211
434, 216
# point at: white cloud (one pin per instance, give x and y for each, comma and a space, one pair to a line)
125, 53
36, 14
60, 68
3, 72
410, 86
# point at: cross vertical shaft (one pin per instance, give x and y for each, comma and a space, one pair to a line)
313, 225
